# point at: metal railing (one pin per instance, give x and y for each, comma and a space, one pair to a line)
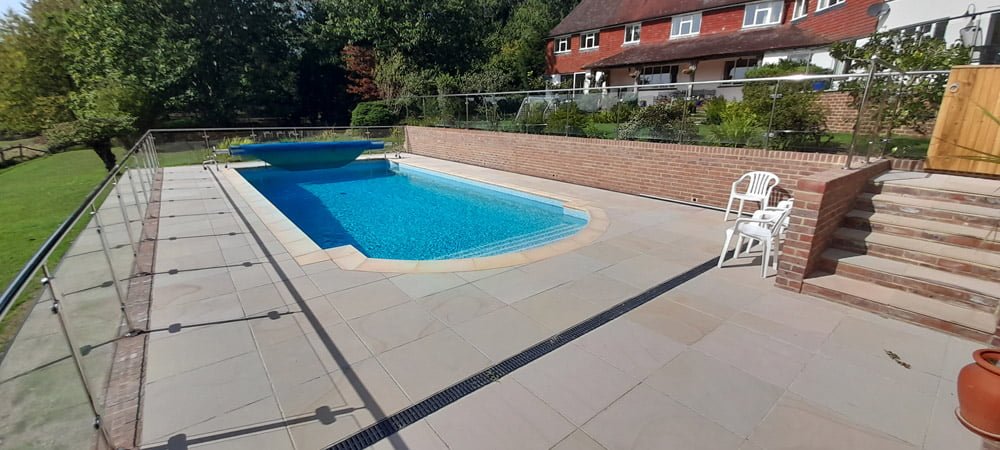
606, 112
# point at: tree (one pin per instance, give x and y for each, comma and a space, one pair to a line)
360, 62
34, 82
909, 102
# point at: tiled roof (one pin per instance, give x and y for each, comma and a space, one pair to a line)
595, 14
714, 45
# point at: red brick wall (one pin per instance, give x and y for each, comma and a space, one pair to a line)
845, 21
841, 115
821, 202
672, 171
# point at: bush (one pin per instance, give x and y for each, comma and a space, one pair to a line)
668, 121
372, 114
566, 119
738, 126
618, 113
795, 110
714, 109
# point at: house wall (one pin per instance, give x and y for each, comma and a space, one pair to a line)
848, 20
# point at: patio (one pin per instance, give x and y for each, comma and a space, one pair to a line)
253, 350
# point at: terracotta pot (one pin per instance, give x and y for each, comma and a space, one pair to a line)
979, 394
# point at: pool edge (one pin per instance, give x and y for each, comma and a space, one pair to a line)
305, 251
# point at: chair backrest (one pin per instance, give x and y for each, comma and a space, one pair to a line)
779, 221
761, 183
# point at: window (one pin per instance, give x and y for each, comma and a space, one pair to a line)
632, 33
688, 25
590, 40
801, 9
823, 4
579, 79
737, 69
562, 45
658, 75
763, 13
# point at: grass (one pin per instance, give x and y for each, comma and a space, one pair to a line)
37, 196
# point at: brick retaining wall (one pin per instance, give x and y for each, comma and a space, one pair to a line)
841, 115
821, 202
678, 172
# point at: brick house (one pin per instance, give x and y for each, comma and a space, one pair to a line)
604, 43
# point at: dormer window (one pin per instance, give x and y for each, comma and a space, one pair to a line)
590, 41
762, 14
632, 33
562, 45
686, 25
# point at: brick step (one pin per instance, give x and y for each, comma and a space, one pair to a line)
948, 287
913, 308
960, 260
938, 210
927, 230
938, 187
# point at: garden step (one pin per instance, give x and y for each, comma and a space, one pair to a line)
938, 210
960, 260
928, 230
961, 290
948, 188
905, 306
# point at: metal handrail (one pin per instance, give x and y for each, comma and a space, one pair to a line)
21, 280
677, 84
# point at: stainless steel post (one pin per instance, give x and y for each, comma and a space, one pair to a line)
128, 225
107, 258
135, 193
770, 123
861, 111
143, 182
77, 363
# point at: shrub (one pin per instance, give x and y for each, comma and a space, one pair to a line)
796, 108
618, 113
372, 114
668, 121
738, 126
714, 109
566, 119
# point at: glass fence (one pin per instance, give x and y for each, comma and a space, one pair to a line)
66, 310
814, 113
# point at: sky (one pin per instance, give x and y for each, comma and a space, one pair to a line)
10, 4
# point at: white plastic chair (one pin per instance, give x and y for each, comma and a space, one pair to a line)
767, 229
767, 213
759, 187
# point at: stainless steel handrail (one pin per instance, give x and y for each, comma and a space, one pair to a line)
685, 84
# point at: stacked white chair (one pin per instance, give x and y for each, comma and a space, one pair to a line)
759, 187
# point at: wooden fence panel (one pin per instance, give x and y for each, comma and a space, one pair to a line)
963, 124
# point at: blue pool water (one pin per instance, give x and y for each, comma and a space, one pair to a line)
399, 212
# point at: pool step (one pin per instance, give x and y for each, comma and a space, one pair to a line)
517, 243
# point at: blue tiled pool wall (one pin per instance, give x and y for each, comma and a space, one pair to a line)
396, 211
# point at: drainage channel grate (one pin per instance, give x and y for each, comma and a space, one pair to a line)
396, 422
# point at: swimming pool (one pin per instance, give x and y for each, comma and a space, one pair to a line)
392, 211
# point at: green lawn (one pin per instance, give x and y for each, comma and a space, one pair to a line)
35, 198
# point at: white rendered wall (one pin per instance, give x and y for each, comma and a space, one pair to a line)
906, 12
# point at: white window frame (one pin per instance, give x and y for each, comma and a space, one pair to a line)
679, 21
596, 35
825, 4
800, 10
771, 4
637, 35
559, 41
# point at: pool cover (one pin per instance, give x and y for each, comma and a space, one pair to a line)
308, 155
